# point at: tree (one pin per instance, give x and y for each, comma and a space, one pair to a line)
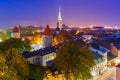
74, 59
14, 66
17, 44
3, 36
62, 36
3, 67
27, 44
37, 72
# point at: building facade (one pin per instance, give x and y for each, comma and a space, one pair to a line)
41, 56
100, 56
47, 37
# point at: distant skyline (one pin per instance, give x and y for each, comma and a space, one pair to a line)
74, 12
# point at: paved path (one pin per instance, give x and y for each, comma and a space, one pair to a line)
109, 74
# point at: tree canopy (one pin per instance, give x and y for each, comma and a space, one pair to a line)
75, 59
62, 36
4, 36
37, 72
13, 66
17, 44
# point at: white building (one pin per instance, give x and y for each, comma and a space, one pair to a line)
41, 56
100, 56
88, 37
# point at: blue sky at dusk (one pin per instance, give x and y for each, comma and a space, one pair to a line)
74, 12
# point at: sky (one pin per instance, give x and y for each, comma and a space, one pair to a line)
74, 12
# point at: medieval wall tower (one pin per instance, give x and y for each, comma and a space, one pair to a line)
47, 37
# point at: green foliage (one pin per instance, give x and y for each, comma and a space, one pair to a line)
75, 59
3, 36
37, 72
3, 67
28, 31
17, 44
13, 66
8, 34
61, 37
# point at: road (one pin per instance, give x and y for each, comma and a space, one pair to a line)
109, 74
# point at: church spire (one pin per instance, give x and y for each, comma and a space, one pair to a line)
59, 16
59, 22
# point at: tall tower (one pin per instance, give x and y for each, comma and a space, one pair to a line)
59, 21
16, 32
47, 37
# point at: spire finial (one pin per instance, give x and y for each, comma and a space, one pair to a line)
59, 22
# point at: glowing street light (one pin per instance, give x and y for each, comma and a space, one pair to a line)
1, 40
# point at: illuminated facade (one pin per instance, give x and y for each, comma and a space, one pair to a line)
118, 72
100, 60
41, 56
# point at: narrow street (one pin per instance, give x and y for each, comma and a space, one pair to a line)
109, 74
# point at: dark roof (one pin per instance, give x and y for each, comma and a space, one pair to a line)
76, 41
104, 44
40, 52
96, 55
16, 29
98, 58
51, 64
79, 41
102, 50
57, 29
118, 65
118, 46
98, 27
110, 56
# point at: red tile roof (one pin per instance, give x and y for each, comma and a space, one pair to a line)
47, 31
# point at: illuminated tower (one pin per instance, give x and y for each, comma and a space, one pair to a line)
59, 21
47, 37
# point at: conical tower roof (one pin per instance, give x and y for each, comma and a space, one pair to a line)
47, 31
59, 15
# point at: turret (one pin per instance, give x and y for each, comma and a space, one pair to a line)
16, 32
59, 22
47, 37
